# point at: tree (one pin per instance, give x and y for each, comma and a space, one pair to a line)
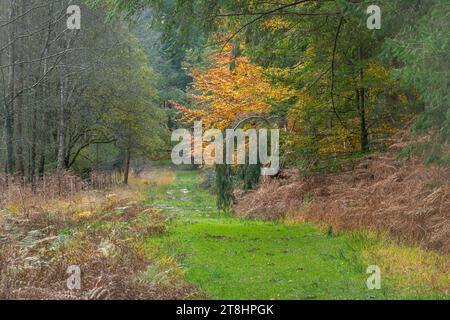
132, 116
222, 95
53, 107
421, 51
354, 87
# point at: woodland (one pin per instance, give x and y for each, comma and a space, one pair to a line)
92, 90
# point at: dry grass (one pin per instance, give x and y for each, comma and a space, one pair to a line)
101, 232
56, 185
413, 268
406, 203
408, 200
18, 189
160, 178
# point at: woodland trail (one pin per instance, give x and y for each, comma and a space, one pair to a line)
233, 258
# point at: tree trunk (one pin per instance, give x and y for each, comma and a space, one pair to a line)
126, 173
20, 168
43, 120
364, 135
33, 142
236, 52
18, 109
9, 117
41, 170
61, 126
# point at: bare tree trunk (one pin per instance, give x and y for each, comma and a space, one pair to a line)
44, 121
126, 173
18, 109
41, 170
33, 153
61, 125
364, 135
9, 117
20, 168
42, 132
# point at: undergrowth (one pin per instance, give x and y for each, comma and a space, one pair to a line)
102, 233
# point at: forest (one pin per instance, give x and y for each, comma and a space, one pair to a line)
92, 91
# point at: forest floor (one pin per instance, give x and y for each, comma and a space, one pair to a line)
234, 258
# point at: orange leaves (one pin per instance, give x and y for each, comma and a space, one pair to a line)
228, 90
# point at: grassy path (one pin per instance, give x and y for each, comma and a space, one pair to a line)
231, 258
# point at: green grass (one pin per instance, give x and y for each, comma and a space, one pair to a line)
231, 258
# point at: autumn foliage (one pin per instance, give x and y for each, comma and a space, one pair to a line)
228, 90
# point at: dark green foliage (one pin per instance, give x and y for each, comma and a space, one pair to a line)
227, 178
224, 187
247, 176
208, 180
422, 54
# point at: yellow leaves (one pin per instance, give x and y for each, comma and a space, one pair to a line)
411, 267
83, 215
314, 129
228, 90
276, 23
283, 73
381, 83
403, 98
384, 129
377, 71
338, 141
